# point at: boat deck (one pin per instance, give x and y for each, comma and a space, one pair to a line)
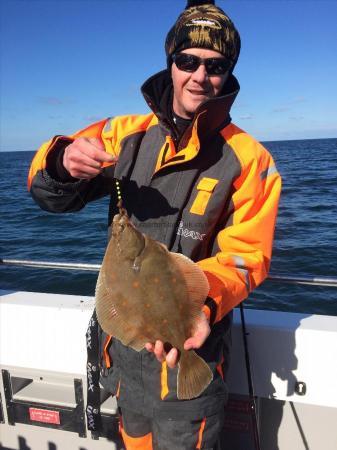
43, 379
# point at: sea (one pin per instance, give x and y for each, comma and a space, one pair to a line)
304, 246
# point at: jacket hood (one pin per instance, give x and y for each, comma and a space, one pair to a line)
212, 114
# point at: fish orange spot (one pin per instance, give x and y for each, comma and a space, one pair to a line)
174, 280
148, 305
124, 303
135, 284
165, 321
156, 280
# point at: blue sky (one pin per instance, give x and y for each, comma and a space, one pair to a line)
67, 63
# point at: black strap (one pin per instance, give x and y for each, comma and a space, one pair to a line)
93, 390
256, 433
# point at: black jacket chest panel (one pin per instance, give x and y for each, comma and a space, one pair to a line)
159, 204
128, 155
196, 232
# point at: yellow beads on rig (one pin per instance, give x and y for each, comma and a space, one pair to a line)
118, 188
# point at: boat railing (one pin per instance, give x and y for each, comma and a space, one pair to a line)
279, 278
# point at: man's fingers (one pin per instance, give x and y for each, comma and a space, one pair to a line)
171, 358
199, 335
193, 342
189, 344
159, 351
85, 172
157, 348
102, 156
84, 158
95, 142
95, 150
78, 164
149, 347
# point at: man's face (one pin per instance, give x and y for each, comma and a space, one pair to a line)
192, 88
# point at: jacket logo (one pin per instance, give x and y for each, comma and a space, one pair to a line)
189, 233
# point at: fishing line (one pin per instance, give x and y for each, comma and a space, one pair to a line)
250, 381
119, 199
100, 226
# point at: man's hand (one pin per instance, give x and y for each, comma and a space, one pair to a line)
84, 158
199, 336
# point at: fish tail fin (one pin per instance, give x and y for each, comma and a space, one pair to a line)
194, 375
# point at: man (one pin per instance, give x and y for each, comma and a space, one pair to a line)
194, 181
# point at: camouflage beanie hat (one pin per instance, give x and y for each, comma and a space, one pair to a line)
203, 25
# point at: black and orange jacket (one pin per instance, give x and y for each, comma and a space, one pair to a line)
212, 196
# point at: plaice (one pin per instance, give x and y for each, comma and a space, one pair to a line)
145, 293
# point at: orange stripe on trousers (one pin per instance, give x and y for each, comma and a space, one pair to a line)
201, 432
137, 443
106, 352
163, 381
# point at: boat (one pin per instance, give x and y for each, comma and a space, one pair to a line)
282, 378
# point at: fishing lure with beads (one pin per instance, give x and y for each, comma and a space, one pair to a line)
119, 198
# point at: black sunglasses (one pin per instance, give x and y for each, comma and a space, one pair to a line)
190, 63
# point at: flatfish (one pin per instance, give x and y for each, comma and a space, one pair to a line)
145, 293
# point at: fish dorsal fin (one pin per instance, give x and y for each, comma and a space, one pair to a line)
195, 279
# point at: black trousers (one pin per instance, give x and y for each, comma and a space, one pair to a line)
143, 433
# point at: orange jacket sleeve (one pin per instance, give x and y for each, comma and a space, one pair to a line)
245, 244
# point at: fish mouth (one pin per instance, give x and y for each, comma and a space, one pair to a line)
119, 224
120, 220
